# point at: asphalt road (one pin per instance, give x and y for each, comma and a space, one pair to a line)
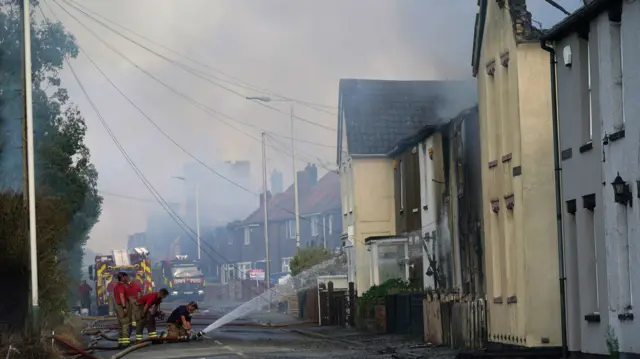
242, 341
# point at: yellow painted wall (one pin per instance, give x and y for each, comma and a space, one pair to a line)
374, 209
520, 244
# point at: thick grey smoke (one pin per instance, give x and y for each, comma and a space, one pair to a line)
297, 48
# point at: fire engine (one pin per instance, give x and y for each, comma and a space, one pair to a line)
184, 278
135, 263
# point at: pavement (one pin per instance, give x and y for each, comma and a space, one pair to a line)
280, 336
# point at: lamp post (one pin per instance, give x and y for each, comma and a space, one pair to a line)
197, 211
293, 160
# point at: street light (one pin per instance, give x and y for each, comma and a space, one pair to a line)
293, 160
197, 211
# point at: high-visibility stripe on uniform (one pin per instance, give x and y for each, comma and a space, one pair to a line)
138, 336
133, 324
153, 335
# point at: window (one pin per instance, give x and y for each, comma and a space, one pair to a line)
330, 224
589, 91
314, 226
286, 265
230, 239
247, 236
291, 229
425, 195
345, 205
401, 186
242, 270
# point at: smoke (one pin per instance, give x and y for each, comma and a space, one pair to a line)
300, 49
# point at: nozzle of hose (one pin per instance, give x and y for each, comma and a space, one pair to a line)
197, 335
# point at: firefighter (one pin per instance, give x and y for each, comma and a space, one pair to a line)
122, 309
84, 290
134, 291
111, 298
179, 322
147, 307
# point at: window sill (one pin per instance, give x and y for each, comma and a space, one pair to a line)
592, 318
586, 147
625, 317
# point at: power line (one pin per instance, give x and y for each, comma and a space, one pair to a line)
208, 110
248, 86
164, 133
111, 194
191, 70
176, 218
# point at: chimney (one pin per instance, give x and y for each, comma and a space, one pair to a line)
307, 178
262, 198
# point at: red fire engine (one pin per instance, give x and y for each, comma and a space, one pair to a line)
135, 263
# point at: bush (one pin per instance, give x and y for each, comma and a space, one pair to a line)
52, 223
308, 257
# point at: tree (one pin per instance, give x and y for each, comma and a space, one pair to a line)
63, 168
307, 258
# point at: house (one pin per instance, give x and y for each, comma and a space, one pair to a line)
597, 103
438, 207
519, 221
320, 222
374, 115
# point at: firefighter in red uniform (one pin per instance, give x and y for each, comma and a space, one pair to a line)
84, 291
134, 291
111, 297
148, 306
122, 309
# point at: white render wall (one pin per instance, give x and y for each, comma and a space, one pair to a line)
615, 83
431, 187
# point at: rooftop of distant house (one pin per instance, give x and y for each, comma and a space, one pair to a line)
314, 197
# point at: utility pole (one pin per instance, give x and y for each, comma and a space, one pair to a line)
29, 167
198, 217
293, 160
295, 180
267, 274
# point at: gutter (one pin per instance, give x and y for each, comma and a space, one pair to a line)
558, 170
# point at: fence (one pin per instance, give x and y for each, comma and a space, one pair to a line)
328, 306
404, 314
455, 322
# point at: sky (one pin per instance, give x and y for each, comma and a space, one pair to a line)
298, 49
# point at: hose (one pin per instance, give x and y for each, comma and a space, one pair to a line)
130, 349
78, 350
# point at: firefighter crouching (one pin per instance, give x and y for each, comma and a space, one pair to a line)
122, 309
134, 292
147, 308
179, 322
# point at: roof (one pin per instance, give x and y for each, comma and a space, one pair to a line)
323, 196
427, 131
378, 113
522, 27
579, 19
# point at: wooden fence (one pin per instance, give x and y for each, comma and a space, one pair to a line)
455, 322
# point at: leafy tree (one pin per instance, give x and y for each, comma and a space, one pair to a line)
307, 258
63, 167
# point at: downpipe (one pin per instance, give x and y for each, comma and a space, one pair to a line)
558, 177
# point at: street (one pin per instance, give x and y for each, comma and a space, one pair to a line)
276, 335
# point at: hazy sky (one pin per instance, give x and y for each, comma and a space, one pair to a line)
299, 49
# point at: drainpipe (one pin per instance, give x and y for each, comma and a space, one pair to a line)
558, 171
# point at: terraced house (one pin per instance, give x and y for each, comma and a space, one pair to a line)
597, 54
374, 117
519, 217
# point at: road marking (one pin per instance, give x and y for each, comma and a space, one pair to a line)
230, 349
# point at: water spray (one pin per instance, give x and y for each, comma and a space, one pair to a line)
303, 281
